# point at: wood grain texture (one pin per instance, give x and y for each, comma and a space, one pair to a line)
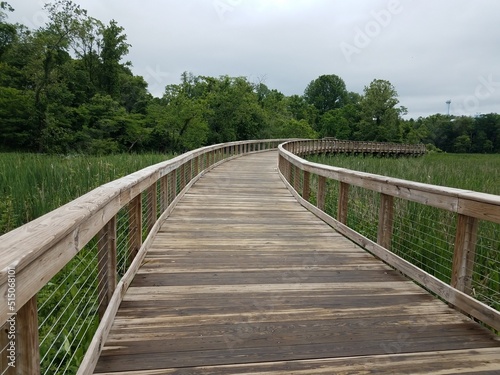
241, 279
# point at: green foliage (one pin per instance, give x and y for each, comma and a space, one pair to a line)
65, 88
327, 92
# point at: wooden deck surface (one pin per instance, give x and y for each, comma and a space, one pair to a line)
243, 280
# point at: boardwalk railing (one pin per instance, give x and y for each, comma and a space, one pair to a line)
452, 234
67, 270
337, 146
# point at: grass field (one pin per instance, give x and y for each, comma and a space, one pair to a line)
33, 184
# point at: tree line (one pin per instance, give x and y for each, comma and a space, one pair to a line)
65, 88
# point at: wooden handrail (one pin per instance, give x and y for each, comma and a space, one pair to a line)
37, 251
470, 207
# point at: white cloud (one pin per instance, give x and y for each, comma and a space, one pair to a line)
430, 50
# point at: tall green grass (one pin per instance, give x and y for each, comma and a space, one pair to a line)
34, 184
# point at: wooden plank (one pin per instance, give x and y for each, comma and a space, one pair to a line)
478, 361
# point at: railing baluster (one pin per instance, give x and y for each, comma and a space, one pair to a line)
321, 195
163, 193
385, 221
151, 204
464, 254
306, 188
296, 179
173, 184
135, 227
27, 342
106, 264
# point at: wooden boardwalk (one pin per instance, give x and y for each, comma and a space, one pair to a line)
243, 280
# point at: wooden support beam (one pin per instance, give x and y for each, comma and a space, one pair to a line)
306, 188
464, 254
163, 193
106, 265
135, 227
321, 195
385, 221
173, 185
296, 179
27, 342
151, 207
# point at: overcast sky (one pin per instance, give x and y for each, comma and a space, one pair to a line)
430, 50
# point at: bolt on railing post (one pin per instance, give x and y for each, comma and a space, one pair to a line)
321, 194
106, 265
385, 221
27, 341
343, 201
306, 188
464, 253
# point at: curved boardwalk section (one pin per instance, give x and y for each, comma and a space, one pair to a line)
242, 279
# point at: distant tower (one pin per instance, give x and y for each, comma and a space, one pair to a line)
448, 102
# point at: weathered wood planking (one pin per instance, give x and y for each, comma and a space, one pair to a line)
241, 279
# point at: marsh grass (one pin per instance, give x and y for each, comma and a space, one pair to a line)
34, 184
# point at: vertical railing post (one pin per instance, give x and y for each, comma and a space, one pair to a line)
182, 171
321, 195
196, 166
306, 188
464, 254
343, 201
385, 221
173, 184
151, 207
135, 227
27, 342
106, 265
163, 193
296, 179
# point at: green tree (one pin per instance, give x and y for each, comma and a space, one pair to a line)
380, 118
326, 92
